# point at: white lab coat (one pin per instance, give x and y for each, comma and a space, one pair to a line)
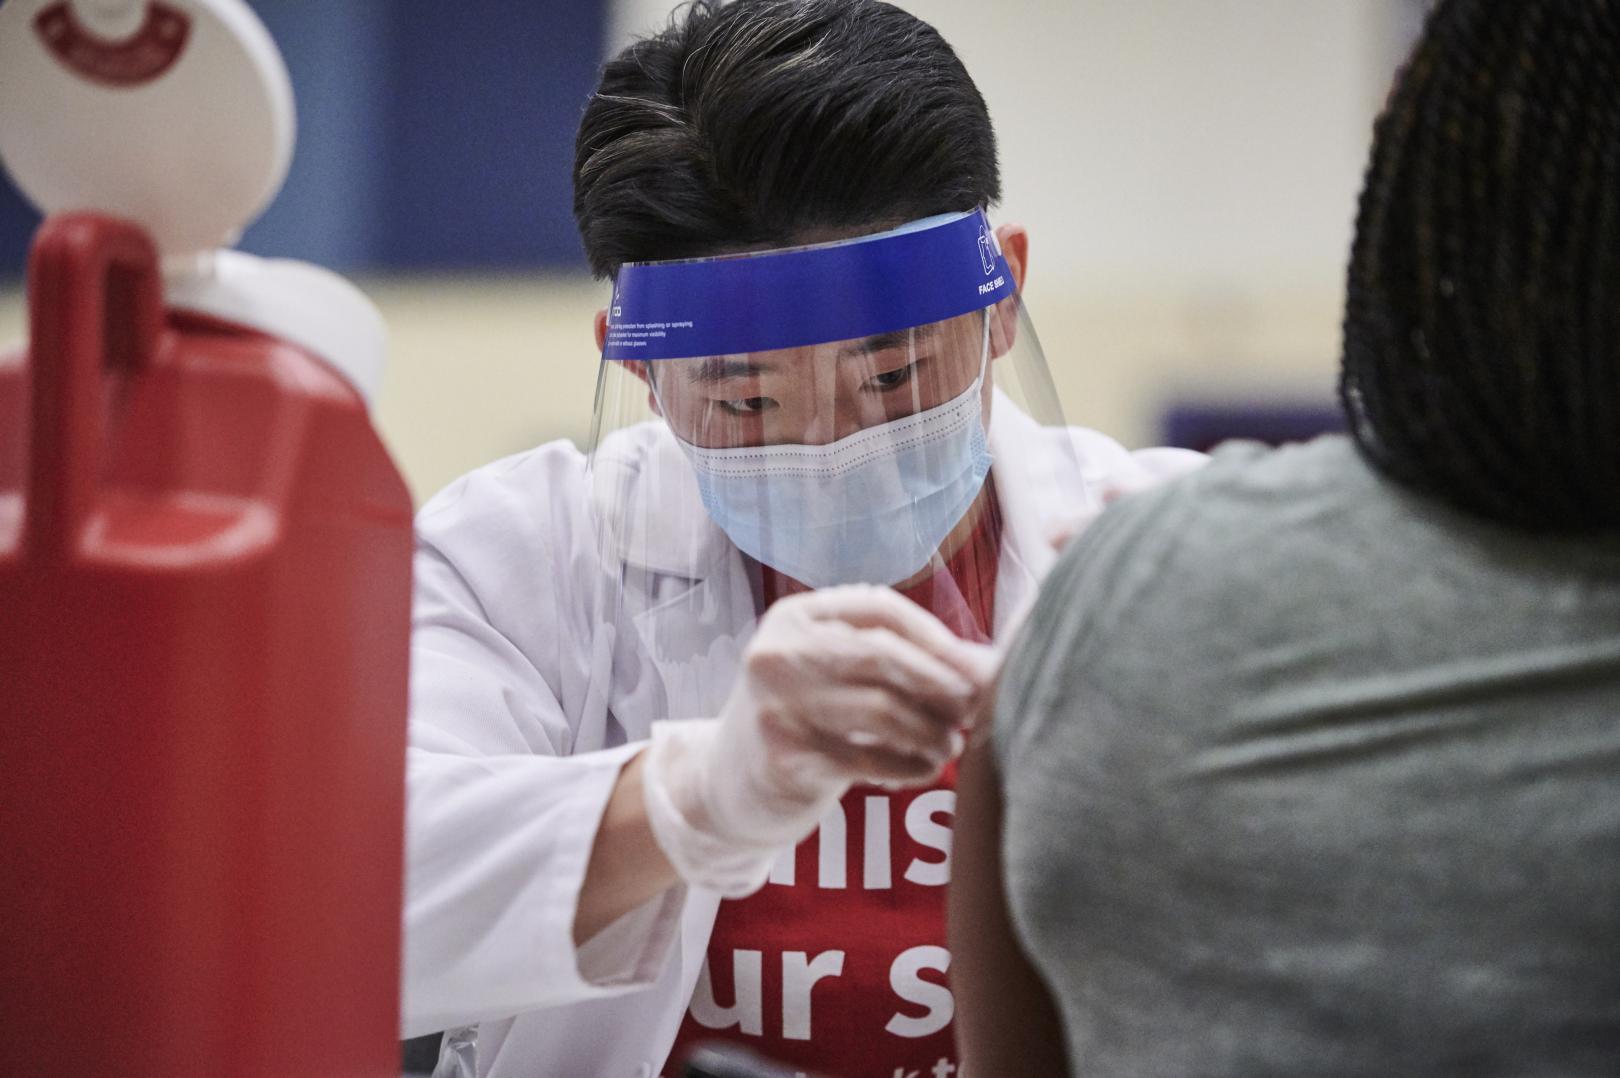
526, 701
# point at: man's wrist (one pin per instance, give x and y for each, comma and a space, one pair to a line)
674, 785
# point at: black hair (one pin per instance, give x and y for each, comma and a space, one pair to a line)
767, 122
1482, 326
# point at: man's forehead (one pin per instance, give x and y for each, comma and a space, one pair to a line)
721, 368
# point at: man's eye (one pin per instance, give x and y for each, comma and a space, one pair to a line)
892, 379
748, 405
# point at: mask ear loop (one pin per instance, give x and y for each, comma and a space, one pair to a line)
652, 384
911, 358
975, 390
663, 412
984, 354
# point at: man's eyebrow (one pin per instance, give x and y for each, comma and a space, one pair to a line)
885, 341
720, 368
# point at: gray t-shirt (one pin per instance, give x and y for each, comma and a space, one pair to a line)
1307, 775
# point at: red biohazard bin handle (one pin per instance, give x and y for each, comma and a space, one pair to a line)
95, 303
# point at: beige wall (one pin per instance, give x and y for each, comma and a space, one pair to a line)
1187, 168
480, 369
483, 368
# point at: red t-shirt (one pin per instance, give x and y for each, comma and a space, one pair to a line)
837, 966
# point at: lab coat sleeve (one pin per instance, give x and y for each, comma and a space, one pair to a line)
502, 813
1167, 462
1110, 469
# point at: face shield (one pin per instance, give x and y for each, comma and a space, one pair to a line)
869, 411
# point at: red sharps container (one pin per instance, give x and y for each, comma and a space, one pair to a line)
204, 593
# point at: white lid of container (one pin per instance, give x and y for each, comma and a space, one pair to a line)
176, 114
309, 306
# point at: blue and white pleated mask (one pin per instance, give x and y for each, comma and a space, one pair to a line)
872, 507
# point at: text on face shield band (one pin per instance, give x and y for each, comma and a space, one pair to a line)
920, 273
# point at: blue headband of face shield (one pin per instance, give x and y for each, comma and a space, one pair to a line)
875, 506
924, 272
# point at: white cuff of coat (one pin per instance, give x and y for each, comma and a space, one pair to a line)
632, 950
500, 845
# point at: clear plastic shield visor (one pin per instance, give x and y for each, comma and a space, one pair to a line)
875, 411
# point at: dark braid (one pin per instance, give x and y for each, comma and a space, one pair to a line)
1482, 324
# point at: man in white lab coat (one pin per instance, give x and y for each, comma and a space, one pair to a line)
816, 372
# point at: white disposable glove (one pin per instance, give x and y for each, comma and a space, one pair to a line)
838, 686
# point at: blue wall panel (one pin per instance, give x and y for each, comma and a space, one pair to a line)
432, 136
327, 211
17, 223
487, 101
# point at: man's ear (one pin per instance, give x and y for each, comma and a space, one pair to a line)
1014, 240
637, 367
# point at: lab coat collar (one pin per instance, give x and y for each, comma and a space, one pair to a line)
647, 505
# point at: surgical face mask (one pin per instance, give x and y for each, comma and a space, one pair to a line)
870, 508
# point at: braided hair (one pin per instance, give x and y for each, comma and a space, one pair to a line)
1482, 326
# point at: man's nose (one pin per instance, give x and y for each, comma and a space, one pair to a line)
821, 427
830, 421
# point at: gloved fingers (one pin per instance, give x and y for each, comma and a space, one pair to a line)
881, 658
868, 607
877, 763
863, 717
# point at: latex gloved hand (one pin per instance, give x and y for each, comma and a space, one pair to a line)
838, 686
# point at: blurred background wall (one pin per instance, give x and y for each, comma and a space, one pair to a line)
1188, 170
